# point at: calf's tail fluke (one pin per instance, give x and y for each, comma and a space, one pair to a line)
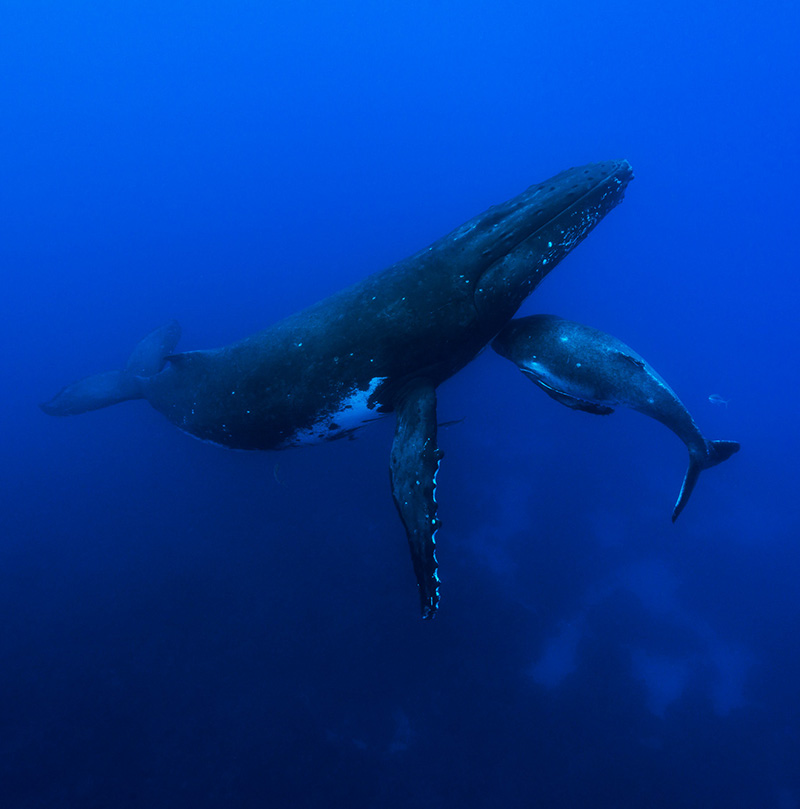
716, 452
111, 387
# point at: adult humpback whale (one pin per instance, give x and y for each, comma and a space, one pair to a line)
381, 345
589, 370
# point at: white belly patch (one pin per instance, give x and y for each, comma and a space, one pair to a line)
353, 411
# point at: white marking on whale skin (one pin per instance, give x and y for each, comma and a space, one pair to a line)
352, 412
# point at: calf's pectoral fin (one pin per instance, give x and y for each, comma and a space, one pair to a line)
570, 401
414, 463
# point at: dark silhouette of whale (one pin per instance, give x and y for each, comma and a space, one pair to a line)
586, 369
379, 346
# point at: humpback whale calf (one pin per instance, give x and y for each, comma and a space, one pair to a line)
382, 345
586, 369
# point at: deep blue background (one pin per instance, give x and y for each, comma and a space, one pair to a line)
186, 627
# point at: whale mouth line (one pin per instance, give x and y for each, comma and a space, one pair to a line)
623, 168
622, 175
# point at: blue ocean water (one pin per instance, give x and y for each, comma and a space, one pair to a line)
188, 627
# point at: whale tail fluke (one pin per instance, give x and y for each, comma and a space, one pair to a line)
716, 452
111, 387
719, 451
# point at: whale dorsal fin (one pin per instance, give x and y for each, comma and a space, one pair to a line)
572, 401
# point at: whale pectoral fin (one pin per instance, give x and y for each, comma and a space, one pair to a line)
571, 401
414, 462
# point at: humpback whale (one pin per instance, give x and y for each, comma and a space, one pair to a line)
588, 370
382, 345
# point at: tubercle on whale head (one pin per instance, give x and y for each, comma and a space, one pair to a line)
549, 219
